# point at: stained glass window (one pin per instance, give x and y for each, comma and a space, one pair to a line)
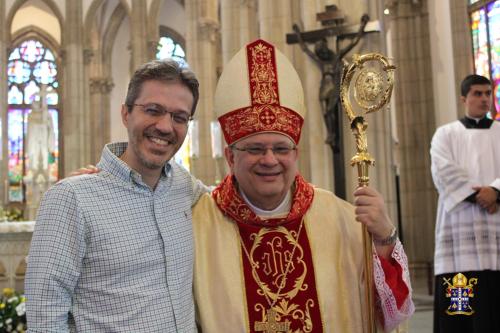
32, 75
494, 38
485, 30
169, 48
480, 42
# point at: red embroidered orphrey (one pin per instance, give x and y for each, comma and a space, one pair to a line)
270, 244
265, 113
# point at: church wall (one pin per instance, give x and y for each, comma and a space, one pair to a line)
45, 21
172, 15
411, 36
444, 80
120, 75
316, 157
462, 47
3, 102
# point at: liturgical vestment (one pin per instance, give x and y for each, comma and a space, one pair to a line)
319, 256
467, 237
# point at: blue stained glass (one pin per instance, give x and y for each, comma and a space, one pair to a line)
480, 42
15, 96
30, 66
18, 71
49, 55
45, 72
53, 164
179, 52
52, 98
494, 37
14, 55
30, 91
15, 145
168, 48
31, 50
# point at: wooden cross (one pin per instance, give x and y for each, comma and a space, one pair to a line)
271, 325
333, 20
330, 62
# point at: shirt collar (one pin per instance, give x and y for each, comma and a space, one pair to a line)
111, 162
483, 123
282, 209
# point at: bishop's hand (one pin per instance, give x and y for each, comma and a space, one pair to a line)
372, 212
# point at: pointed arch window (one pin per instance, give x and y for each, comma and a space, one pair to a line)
168, 47
485, 32
31, 73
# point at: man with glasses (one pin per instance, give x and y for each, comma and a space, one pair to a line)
273, 253
113, 251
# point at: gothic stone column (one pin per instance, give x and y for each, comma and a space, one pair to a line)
202, 36
75, 138
100, 88
3, 103
139, 34
238, 26
275, 20
415, 122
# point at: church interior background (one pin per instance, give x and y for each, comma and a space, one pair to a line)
71, 60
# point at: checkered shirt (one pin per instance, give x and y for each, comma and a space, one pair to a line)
111, 255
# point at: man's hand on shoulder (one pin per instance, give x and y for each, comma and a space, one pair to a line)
89, 169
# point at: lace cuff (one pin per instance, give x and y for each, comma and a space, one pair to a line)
386, 301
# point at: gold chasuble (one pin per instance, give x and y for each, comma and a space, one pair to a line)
301, 273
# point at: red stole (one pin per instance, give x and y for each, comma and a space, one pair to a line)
270, 245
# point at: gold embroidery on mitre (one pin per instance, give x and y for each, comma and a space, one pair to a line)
263, 83
260, 118
460, 294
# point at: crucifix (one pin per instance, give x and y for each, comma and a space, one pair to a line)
331, 64
271, 325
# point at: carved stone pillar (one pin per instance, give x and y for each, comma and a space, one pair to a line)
315, 162
100, 88
75, 116
3, 104
238, 26
415, 123
202, 36
275, 20
139, 34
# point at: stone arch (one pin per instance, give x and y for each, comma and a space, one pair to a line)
109, 37
51, 4
36, 33
154, 14
3, 272
164, 30
126, 6
20, 271
88, 25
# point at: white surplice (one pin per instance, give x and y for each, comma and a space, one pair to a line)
467, 237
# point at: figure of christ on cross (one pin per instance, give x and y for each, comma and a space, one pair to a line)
331, 64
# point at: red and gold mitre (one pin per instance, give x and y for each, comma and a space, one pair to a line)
259, 91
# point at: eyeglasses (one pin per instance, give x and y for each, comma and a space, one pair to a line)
156, 110
278, 150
